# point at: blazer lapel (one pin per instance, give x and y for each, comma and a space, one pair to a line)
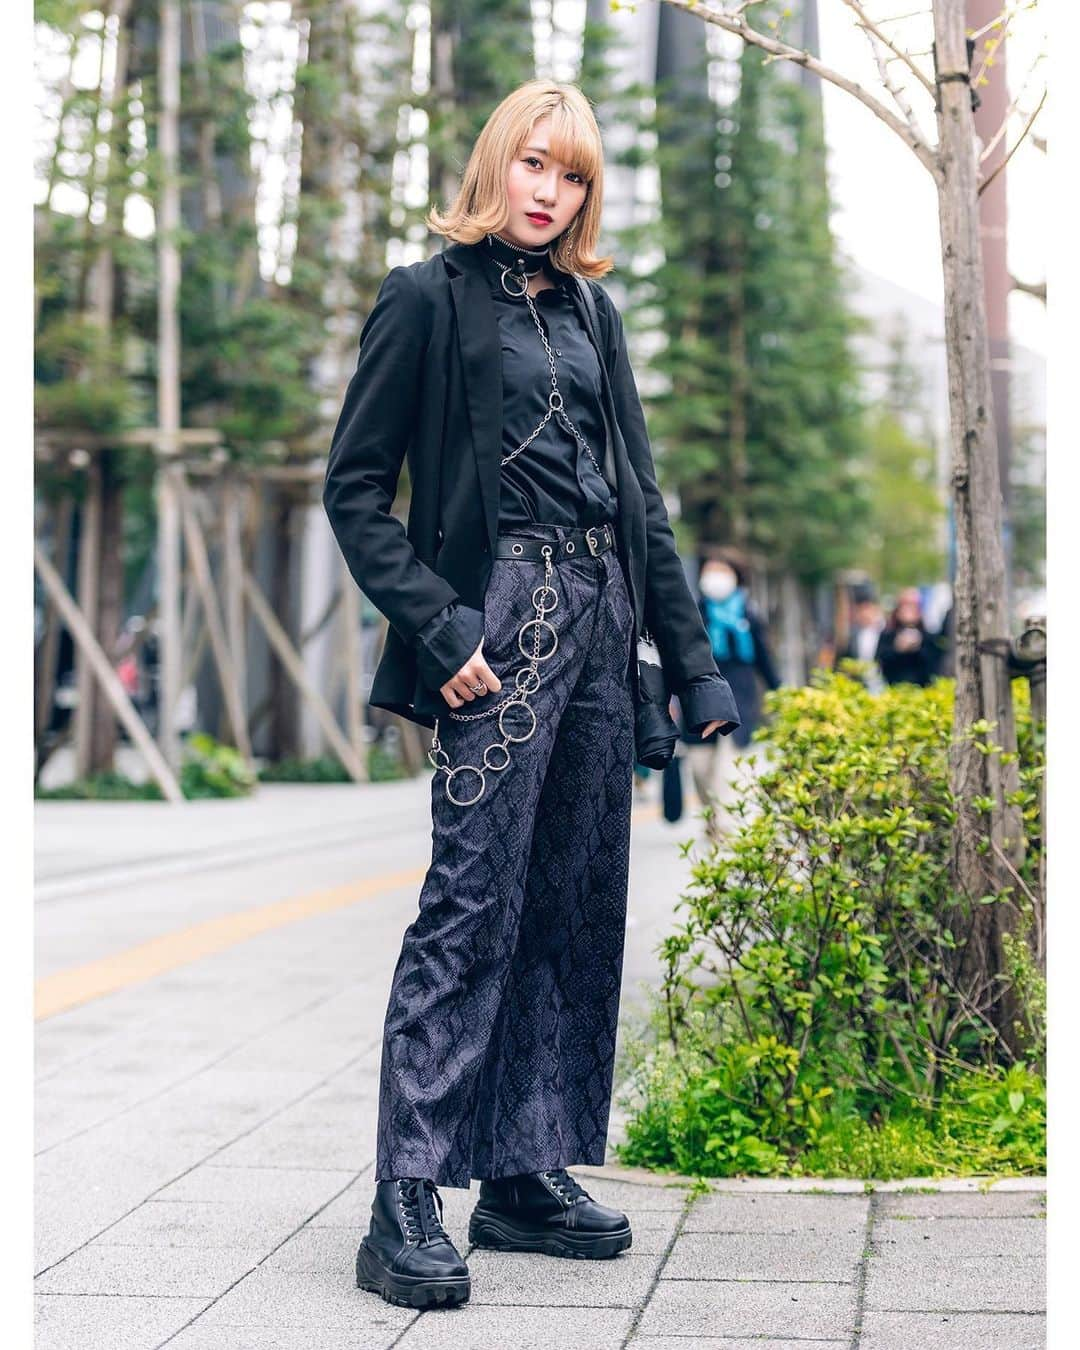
481, 360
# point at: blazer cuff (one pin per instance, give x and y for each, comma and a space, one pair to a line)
708, 698
446, 641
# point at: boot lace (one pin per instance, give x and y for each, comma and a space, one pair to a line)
566, 1186
416, 1201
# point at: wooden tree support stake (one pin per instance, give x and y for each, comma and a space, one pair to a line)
110, 681
200, 563
279, 640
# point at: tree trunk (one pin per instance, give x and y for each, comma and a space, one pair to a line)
983, 688
284, 711
110, 611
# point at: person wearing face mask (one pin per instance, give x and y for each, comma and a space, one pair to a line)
740, 648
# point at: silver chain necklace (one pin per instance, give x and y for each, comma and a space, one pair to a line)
555, 398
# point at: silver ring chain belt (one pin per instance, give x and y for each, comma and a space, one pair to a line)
594, 541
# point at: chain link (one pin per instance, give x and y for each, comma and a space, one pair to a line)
526, 683
556, 392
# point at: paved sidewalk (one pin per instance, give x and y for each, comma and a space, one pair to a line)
206, 1137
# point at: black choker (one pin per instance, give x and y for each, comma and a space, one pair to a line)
525, 262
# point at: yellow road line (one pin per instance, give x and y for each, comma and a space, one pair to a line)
81, 984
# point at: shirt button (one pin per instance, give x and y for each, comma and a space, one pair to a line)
558, 352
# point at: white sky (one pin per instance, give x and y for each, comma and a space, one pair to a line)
886, 207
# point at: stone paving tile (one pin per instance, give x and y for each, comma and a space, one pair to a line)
765, 1256
261, 1188
199, 1223
524, 1279
960, 1284
701, 1308
476, 1327
630, 1197
151, 1272
71, 1322
778, 1214
199, 1337
309, 1301
964, 1205
922, 1239
731, 1343
952, 1331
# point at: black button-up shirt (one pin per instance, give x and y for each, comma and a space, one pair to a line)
553, 480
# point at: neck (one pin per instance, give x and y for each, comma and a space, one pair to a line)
524, 262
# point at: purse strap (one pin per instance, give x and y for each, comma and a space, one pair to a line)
589, 301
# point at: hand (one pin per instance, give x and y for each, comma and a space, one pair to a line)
457, 692
712, 726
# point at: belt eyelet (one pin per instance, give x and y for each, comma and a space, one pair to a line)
569, 546
517, 548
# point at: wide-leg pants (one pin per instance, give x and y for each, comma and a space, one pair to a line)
499, 1039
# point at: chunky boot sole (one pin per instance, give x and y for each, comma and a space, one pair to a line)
506, 1235
409, 1291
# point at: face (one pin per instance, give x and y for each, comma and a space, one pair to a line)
908, 607
537, 182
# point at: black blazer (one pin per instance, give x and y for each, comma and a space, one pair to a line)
428, 386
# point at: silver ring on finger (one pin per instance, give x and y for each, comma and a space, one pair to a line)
479, 688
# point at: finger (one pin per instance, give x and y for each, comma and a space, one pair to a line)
450, 694
489, 677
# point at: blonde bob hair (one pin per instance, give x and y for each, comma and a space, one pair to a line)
574, 138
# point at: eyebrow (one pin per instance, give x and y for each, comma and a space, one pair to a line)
540, 149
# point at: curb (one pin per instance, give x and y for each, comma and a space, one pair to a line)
639, 1176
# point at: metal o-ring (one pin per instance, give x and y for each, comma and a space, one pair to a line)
555, 394
496, 768
520, 704
526, 673
541, 656
461, 768
540, 605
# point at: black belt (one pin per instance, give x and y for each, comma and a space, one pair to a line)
589, 542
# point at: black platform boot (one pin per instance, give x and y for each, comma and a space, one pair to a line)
546, 1212
407, 1255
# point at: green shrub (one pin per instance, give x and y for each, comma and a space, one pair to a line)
210, 769
817, 994
101, 787
382, 767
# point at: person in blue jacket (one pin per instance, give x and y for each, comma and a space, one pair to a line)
739, 641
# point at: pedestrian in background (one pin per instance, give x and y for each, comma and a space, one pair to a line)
867, 625
905, 651
739, 642
537, 551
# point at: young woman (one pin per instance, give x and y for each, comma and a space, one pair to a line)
537, 548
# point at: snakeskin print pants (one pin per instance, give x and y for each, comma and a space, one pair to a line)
499, 1040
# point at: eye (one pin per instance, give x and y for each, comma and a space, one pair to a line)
531, 159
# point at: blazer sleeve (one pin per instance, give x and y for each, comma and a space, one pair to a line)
373, 432
671, 612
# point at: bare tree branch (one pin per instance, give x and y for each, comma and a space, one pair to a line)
1035, 288
1001, 131
734, 22
1014, 147
870, 27
898, 92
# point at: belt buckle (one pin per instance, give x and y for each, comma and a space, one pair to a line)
593, 544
